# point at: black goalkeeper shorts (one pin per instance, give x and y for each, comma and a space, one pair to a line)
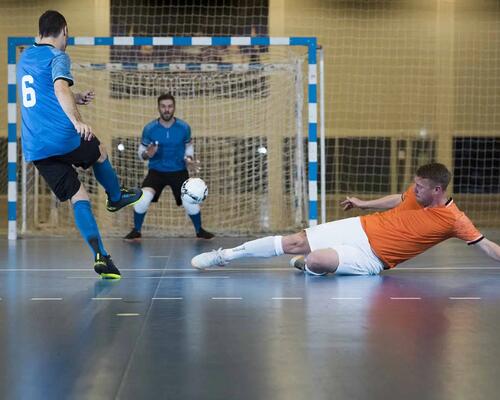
158, 180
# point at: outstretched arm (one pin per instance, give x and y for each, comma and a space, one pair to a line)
490, 248
383, 203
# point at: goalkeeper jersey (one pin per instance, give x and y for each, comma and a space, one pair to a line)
171, 144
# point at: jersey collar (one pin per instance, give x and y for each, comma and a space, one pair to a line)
43, 44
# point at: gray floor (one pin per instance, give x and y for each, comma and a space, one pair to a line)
253, 330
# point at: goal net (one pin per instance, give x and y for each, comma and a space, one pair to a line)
245, 106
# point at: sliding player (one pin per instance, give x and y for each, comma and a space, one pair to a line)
417, 220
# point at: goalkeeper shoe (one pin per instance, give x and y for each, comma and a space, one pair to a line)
128, 197
203, 234
133, 236
105, 267
210, 259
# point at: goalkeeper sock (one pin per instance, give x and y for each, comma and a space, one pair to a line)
196, 219
138, 220
268, 246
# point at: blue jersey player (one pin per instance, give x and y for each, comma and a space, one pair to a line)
56, 139
166, 144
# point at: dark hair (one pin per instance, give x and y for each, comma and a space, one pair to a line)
51, 23
166, 96
436, 172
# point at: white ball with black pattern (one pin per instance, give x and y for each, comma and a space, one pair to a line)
194, 191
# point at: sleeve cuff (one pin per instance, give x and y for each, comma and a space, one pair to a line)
475, 241
70, 82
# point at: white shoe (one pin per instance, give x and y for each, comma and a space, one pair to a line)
210, 259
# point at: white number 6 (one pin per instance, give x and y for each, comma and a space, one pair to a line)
29, 97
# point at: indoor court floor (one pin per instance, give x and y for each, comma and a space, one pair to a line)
255, 329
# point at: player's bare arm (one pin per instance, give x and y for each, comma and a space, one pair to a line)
383, 203
192, 164
66, 99
147, 152
84, 98
490, 248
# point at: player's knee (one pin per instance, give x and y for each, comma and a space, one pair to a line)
143, 204
80, 195
191, 209
104, 153
320, 262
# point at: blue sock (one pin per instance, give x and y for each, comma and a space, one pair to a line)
85, 222
138, 221
106, 176
196, 218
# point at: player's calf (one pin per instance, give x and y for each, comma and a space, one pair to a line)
296, 243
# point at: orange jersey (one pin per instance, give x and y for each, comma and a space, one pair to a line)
409, 229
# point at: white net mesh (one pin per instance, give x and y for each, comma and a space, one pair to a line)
408, 83
246, 124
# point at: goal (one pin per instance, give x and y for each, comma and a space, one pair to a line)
251, 105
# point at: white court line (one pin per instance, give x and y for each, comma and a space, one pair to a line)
227, 298
152, 277
443, 268
107, 298
46, 298
127, 315
180, 277
464, 298
287, 298
167, 298
406, 298
249, 269
345, 298
90, 269
44, 269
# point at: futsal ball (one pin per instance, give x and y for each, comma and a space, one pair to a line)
194, 191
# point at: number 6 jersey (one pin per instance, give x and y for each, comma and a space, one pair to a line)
46, 129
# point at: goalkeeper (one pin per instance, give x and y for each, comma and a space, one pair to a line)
166, 145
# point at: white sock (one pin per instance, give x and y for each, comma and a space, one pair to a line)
268, 246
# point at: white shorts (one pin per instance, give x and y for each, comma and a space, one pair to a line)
348, 238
